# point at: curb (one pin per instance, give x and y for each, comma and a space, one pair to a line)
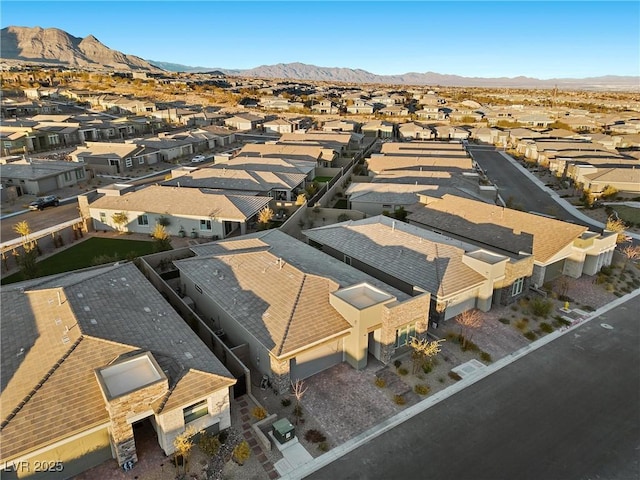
399, 418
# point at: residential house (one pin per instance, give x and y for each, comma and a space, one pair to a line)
445, 132
380, 129
324, 106
341, 126
459, 276
183, 211
278, 125
272, 164
414, 131
624, 180
395, 111
278, 185
86, 358
244, 121
322, 156
360, 107
559, 248
382, 163
39, 177
109, 158
298, 310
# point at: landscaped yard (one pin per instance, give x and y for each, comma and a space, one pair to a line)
90, 252
322, 179
628, 214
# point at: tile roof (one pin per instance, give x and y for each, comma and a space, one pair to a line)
411, 254
270, 164
383, 163
184, 201
496, 226
36, 170
223, 178
57, 330
398, 148
284, 308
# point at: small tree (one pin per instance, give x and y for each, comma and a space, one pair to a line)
423, 351
630, 252
469, 320
120, 219
183, 444
616, 225
28, 259
298, 389
161, 239
301, 198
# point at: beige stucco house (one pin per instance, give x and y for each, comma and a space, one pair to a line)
298, 310
86, 357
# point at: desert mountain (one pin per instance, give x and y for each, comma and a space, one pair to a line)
54, 46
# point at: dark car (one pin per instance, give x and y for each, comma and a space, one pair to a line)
44, 202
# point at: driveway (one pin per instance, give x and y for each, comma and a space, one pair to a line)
568, 410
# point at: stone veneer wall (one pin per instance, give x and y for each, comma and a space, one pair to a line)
396, 314
513, 271
281, 374
127, 406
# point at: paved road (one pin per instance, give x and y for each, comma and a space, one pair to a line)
513, 184
569, 410
39, 220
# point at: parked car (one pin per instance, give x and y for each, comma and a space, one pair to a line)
44, 202
198, 159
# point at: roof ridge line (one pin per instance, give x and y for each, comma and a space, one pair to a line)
293, 311
50, 372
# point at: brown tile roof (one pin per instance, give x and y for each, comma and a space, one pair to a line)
192, 385
379, 164
500, 227
284, 308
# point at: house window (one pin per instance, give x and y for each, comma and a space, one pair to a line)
79, 174
143, 220
205, 225
141, 160
195, 411
404, 334
347, 259
516, 288
103, 217
128, 162
67, 176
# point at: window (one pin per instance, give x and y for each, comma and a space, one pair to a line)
404, 334
103, 217
141, 160
79, 174
67, 176
205, 225
517, 287
143, 220
128, 162
195, 411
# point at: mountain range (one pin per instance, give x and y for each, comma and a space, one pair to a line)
56, 47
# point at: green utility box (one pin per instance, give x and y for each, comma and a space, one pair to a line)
283, 430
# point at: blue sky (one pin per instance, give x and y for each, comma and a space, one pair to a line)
485, 39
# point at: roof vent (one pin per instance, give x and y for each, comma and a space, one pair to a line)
93, 321
188, 355
80, 295
20, 352
147, 309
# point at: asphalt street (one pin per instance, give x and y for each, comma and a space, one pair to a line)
512, 184
569, 410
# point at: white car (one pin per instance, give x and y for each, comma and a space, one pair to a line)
198, 159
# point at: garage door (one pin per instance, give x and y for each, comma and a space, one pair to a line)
316, 360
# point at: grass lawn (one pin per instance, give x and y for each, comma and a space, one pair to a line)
322, 179
83, 254
342, 203
628, 214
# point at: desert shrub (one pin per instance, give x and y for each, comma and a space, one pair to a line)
380, 383
285, 402
209, 444
541, 307
606, 270
222, 436
522, 324
506, 321
421, 389
454, 376
397, 363
323, 446
441, 379
427, 367
399, 400
403, 371
485, 357
259, 413
242, 452
314, 436
530, 335
546, 328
